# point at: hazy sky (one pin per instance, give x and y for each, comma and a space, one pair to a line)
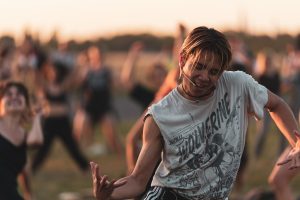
88, 18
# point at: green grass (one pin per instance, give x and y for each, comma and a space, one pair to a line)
60, 174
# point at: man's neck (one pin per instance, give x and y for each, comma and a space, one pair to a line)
186, 94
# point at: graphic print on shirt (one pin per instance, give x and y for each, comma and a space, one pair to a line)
210, 150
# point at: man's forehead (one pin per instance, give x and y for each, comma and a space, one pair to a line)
207, 59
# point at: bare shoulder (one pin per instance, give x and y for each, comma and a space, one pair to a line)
151, 129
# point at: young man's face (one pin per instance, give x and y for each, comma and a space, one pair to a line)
200, 74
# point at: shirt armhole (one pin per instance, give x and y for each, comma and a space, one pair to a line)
146, 116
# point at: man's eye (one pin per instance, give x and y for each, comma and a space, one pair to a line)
199, 67
214, 72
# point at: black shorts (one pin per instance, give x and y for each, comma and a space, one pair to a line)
97, 110
162, 193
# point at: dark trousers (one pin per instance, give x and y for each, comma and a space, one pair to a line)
61, 128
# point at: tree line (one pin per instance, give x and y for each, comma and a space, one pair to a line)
153, 42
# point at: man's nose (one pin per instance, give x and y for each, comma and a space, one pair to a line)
204, 75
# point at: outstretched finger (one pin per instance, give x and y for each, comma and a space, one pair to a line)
92, 164
96, 181
103, 182
97, 171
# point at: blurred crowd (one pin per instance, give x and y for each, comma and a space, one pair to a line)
73, 91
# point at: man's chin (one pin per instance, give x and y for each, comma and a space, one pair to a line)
203, 94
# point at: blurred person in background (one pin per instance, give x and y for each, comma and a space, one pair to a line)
96, 108
7, 49
27, 61
138, 91
26, 64
26, 58
53, 95
267, 75
180, 35
134, 136
15, 114
63, 55
291, 76
242, 59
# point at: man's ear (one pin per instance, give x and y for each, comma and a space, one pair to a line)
182, 60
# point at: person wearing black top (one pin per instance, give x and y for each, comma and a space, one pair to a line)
56, 122
15, 113
96, 108
140, 92
268, 76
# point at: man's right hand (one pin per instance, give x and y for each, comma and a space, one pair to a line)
102, 188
